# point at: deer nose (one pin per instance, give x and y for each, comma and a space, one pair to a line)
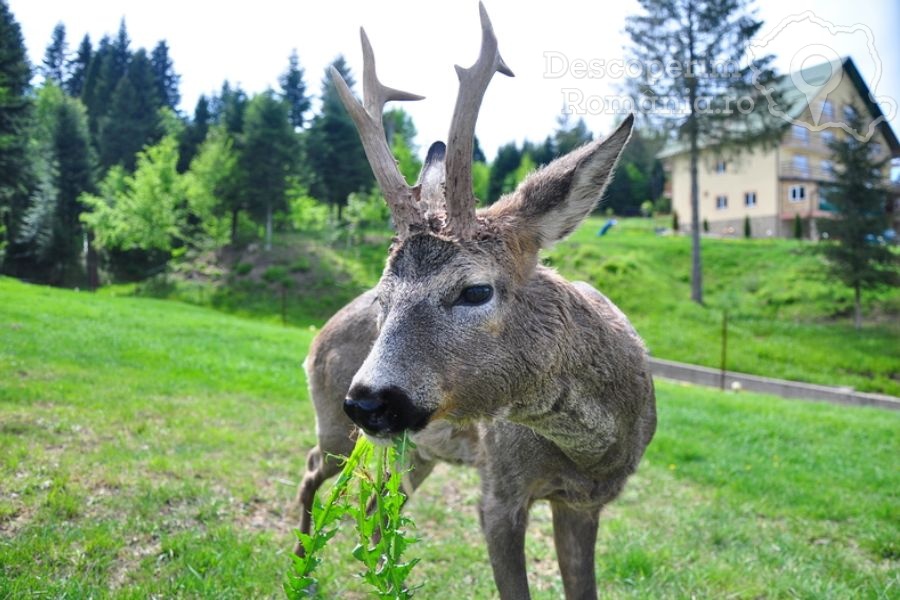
383, 412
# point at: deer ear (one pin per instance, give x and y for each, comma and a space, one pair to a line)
553, 200
431, 181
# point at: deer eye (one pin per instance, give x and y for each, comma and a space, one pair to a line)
475, 295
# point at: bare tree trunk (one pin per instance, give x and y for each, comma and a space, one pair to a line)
696, 262
91, 263
234, 225
857, 308
268, 227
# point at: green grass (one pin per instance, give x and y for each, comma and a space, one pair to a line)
151, 448
787, 319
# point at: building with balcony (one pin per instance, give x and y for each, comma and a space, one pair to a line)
771, 186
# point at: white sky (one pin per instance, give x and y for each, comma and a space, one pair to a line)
417, 42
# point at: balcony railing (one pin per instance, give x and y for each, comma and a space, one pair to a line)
813, 172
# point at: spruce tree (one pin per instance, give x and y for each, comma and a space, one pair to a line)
194, 134
855, 254
52, 236
334, 152
15, 108
507, 161
227, 110
638, 176
569, 136
166, 78
293, 91
55, 60
78, 67
132, 119
267, 156
96, 91
699, 37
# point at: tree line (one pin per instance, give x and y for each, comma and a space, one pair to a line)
101, 174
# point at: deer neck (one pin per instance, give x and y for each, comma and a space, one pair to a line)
577, 389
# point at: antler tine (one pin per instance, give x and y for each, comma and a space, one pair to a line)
368, 120
473, 82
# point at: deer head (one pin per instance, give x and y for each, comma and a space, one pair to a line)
469, 324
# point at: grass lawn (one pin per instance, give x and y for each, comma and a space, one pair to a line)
787, 318
150, 448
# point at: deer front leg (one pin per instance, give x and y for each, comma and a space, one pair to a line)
504, 525
575, 536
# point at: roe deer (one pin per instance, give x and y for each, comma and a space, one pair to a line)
485, 356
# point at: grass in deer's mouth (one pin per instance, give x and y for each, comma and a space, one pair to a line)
373, 498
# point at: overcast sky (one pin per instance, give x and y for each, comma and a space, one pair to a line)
417, 42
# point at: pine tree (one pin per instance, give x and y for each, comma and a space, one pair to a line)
638, 176
477, 152
699, 36
52, 236
15, 108
568, 136
132, 119
120, 53
194, 134
166, 78
96, 91
293, 91
78, 67
858, 193
334, 152
55, 60
267, 156
228, 108
507, 160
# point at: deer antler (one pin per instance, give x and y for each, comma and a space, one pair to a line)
473, 83
401, 198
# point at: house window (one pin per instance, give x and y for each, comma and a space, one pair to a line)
797, 193
720, 166
827, 109
801, 164
827, 168
827, 137
875, 149
750, 199
849, 112
800, 134
721, 202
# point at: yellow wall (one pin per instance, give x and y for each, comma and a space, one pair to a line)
754, 171
770, 173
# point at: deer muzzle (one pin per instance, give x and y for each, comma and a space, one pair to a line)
384, 412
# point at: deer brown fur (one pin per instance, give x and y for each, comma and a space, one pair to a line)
485, 356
